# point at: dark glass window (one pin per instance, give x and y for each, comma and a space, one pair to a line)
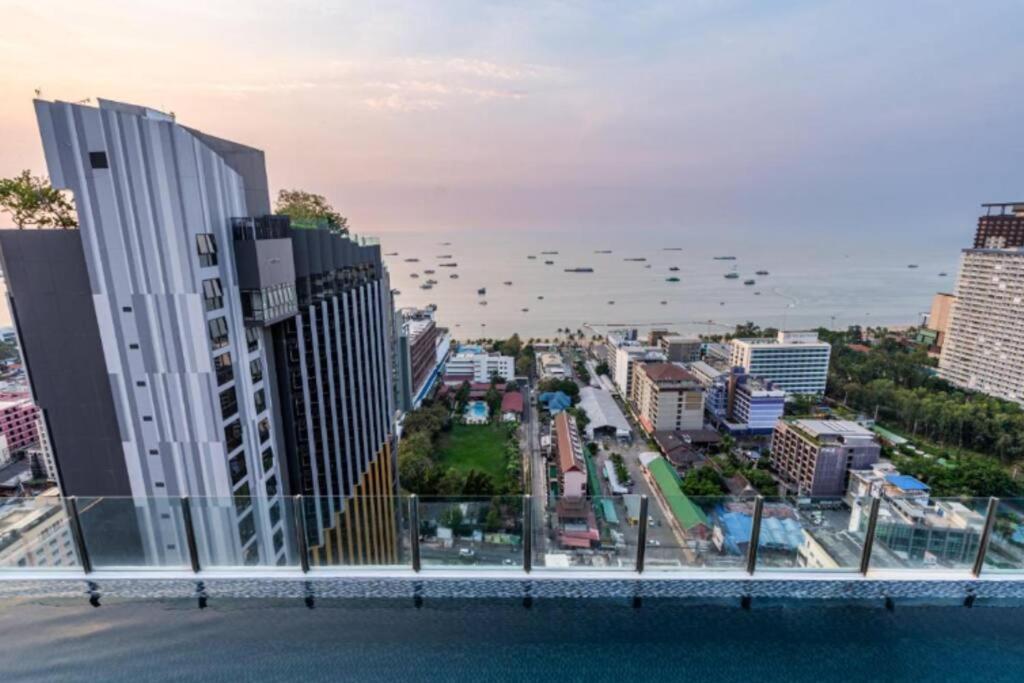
264, 429
238, 469
252, 555
233, 436
218, 328
206, 247
242, 498
256, 370
225, 370
272, 487
228, 403
246, 529
213, 294
278, 541
260, 399
252, 338
98, 160
268, 459
275, 513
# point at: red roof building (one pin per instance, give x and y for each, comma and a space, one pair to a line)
512, 402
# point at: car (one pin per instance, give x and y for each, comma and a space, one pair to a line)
654, 542
508, 562
467, 552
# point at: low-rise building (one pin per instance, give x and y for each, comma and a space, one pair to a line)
482, 366
737, 402
680, 349
572, 468
18, 422
814, 457
794, 361
35, 532
605, 417
41, 454
667, 397
551, 365
512, 406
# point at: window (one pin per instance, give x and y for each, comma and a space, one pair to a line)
140, 384
242, 498
228, 403
264, 429
268, 459
206, 247
233, 436
225, 370
213, 294
218, 328
238, 469
260, 399
278, 541
252, 555
134, 347
126, 309
246, 529
275, 513
98, 160
272, 486
256, 370
153, 451
252, 338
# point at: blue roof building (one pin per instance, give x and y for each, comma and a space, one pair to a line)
556, 401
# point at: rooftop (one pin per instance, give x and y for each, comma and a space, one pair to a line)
667, 372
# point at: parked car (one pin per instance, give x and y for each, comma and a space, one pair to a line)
467, 553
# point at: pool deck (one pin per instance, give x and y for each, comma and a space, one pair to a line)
507, 583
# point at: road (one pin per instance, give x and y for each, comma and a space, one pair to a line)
536, 470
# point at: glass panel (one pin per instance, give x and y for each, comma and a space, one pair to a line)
369, 530
707, 532
477, 532
135, 533
594, 532
812, 533
240, 531
920, 532
35, 533
1006, 546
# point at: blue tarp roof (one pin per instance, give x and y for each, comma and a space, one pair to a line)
782, 534
906, 482
556, 401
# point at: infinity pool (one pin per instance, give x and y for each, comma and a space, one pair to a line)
582, 640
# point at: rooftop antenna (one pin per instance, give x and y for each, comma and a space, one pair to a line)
87, 100
39, 92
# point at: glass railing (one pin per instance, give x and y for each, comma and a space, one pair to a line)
623, 534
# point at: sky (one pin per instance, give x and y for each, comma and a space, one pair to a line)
833, 120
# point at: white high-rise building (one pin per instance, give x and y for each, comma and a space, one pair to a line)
984, 344
473, 361
794, 361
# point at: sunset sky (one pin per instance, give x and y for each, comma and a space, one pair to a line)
879, 118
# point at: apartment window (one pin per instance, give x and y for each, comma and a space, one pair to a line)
268, 459
272, 486
206, 247
98, 160
278, 541
218, 328
140, 383
153, 451
134, 347
256, 370
223, 366
251, 556
228, 403
238, 469
126, 309
242, 498
233, 435
275, 513
246, 529
252, 338
213, 294
264, 429
260, 400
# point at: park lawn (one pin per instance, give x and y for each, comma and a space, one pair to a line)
475, 447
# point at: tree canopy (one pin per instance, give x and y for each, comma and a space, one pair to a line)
302, 206
32, 202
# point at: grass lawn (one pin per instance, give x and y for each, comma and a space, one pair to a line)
475, 447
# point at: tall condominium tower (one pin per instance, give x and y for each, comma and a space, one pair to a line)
1002, 226
183, 341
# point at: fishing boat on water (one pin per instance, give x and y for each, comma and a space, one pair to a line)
731, 276
482, 291
579, 270
761, 272
672, 279
412, 260
749, 282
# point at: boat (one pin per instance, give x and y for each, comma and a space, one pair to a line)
602, 251
579, 270
672, 279
446, 244
731, 276
428, 272
531, 257
541, 296
635, 258
761, 272
549, 252
444, 256
549, 263
942, 274
757, 293
415, 275
481, 291
482, 303
674, 268
450, 264
454, 276
391, 253
749, 282
611, 303
526, 310
412, 260
426, 285
663, 303
672, 249
508, 283
725, 258
648, 265
911, 265
431, 281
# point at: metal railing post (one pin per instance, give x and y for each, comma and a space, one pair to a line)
414, 531
641, 536
77, 536
986, 535
527, 533
755, 534
190, 533
299, 511
869, 536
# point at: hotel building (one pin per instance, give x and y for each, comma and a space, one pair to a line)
667, 397
794, 361
816, 456
183, 342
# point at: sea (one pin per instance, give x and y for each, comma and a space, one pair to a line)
809, 284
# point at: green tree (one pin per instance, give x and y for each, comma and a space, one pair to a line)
32, 201
302, 206
702, 481
493, 400
602, 368
511, 346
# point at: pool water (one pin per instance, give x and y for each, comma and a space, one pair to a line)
477, 410
485, 640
